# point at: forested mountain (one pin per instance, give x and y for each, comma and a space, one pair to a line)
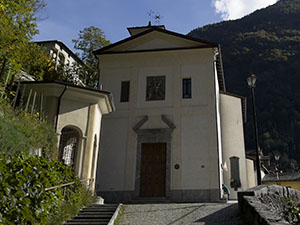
266, 43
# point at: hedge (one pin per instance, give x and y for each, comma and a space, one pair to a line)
23, 180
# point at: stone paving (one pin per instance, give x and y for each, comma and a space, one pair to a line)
175, 214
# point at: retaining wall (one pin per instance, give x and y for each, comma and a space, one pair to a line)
265, 204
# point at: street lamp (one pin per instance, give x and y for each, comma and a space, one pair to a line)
251, 83
277, 157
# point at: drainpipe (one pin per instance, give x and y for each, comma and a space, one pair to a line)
58, 107
218, 122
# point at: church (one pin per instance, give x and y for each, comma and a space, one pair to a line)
176, 134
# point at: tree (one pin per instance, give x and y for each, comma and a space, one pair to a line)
89, 40
37, 63
17, 27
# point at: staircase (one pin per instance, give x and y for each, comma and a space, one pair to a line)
148, 200
96, 215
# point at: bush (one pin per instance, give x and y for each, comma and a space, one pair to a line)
21, 133
292, 212
69, 209
23, 180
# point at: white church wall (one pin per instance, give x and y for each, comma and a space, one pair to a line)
250, 173
72, 113
199, 154
233, 140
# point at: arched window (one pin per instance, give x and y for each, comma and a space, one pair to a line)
68, 146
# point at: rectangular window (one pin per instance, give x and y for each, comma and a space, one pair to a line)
125, 86
186, 88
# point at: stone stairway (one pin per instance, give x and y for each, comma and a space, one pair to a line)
152, 200
96, 215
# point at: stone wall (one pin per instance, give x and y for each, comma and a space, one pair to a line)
265, 204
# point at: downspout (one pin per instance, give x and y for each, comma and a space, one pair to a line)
218, 123
58, 107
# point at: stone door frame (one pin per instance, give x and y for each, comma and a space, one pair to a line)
163, 135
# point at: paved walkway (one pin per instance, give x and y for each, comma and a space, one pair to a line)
175, 214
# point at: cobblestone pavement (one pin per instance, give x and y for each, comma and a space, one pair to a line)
175, 214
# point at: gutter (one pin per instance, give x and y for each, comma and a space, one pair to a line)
58, 107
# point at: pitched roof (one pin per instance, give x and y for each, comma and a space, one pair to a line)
66, 48
89, 90
202, 44
282, 177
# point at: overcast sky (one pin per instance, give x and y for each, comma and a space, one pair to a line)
63, 19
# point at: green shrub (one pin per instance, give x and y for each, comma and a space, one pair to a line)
292, 212
21, 133
23, 180
69, 209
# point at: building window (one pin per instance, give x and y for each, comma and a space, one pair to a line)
61, 59
53, 54
235, 173
125, 86
155, 88
186, 88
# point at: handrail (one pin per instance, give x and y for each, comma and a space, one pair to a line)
67, 184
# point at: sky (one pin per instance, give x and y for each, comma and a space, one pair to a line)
63, 19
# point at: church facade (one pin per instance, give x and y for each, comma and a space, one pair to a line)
176, 134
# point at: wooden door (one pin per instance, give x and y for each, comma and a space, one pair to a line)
153, 170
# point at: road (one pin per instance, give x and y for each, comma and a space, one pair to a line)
175, 214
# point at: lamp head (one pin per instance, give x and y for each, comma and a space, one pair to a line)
251, 80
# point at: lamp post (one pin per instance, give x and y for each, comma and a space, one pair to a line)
251, 83
277, 157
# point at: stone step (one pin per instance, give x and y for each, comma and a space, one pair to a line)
147, 200
89, 223
90, 216
102, 205
98, 210
89, 220
94, 215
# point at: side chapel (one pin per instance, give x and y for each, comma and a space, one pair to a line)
76, 113
176, 133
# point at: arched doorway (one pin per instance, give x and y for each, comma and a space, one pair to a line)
68, 146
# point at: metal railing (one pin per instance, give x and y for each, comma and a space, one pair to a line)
89, 181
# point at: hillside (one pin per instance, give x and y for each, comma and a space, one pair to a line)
266, 43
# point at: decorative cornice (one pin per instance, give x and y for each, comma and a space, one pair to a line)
168, 122
164, 118
140, 123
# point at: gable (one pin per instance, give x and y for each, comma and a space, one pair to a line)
154, 39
